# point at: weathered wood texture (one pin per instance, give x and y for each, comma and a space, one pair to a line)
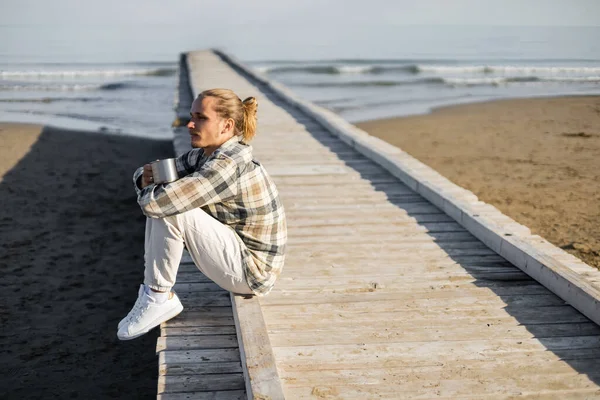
383, 294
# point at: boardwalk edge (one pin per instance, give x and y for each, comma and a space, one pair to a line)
258, 361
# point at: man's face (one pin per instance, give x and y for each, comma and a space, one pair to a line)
207, 129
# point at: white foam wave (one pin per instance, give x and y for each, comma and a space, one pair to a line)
495, 81
574, 79
57, 87
354, 69
474, 81
43, 88
36, 74
506, 69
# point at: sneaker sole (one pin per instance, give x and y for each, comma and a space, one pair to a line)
175, 312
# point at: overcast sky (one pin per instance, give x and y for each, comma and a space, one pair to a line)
302, 13
126, 30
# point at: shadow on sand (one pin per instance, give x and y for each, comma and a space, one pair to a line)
71, 256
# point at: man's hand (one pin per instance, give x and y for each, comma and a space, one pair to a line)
147, 178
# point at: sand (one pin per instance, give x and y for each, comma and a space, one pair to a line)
71, 256
536, 160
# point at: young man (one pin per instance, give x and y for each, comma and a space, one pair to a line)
224, 209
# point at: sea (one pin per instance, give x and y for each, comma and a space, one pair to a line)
407, 71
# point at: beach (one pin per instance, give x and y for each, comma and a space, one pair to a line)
71, 254
71, 232
537, 160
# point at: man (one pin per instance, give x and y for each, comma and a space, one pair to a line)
224, 209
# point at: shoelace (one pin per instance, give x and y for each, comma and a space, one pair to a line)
141, 311
137, 309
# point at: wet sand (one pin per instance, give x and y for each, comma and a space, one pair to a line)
536, 160
71, 256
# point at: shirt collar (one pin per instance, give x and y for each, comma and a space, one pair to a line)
230, 142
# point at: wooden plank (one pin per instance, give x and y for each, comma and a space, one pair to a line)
287, 336
417, 289
369, 356
343, 318
320, 180
201, 368
196, 342
362, 212
452, 271
575, 394
422, 242
198, 331
407, 226
393, 284
191, 318
369, 305
479, 388
195, 356
205, 299
325, 278
197, 287
401, 267
259, 365
372, 200
222, 395
376, 237
298, 192
474, 264
423, 256
190, 383
426, 252
188, 275
466, 371
210, 311
290, 297
317, 222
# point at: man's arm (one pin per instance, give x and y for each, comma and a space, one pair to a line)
189, 162
185, 164
214, 182
142, 178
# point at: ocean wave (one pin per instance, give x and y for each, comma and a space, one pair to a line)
375, 83
365, 69
36, 74
480, 81
505, 69
497, 81
56, 87
334, 69
51, 100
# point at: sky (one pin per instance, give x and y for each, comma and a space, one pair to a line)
129, 30
219, 14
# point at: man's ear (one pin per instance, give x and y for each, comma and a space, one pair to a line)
229, 125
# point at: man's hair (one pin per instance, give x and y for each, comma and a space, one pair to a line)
229, 105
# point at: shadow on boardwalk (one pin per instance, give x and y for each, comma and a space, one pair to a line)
561, 329
71, 256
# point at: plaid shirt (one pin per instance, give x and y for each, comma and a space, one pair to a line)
235, 189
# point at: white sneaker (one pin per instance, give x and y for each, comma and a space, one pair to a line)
124, 320
147, 314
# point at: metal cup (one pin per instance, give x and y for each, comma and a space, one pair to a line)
164, 171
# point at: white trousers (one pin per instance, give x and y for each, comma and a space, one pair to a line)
213, 246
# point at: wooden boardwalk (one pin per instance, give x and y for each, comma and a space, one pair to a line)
383, 295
